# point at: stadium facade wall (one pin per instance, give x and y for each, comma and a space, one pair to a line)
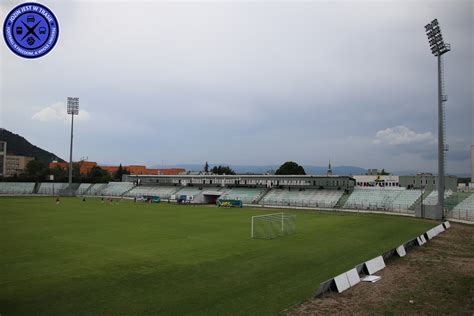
377, 181
262, 181
428, 182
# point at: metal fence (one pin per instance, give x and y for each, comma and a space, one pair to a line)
297, 203
394, 208
460, 214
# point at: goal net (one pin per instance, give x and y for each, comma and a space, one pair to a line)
273, 225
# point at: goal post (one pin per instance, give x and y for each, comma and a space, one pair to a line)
271, 226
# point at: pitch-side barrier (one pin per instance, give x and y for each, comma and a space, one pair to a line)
348, 279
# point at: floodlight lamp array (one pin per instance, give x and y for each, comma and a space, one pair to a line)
73, 106
435, 39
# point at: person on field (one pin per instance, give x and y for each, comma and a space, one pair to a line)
57, 201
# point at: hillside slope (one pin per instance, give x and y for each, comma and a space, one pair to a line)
18, 145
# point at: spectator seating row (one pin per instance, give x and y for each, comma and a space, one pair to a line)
306, 197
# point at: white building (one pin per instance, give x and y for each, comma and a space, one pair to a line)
377, 181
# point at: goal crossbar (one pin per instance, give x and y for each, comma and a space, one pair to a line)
267, 215
270, 226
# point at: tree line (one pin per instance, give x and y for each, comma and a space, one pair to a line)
288, 168
37, 171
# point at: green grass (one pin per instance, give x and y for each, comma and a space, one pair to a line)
133, 258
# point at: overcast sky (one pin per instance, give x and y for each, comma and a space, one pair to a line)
247, 83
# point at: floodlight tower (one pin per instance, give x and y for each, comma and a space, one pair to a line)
73, 109
439, 48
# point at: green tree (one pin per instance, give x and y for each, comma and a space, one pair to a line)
59, 174
222, 170
36, 170
206, 167
383, 173
76, 172
290, 168
98, 175
120, 172
62, 175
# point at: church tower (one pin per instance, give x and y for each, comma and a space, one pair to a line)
329, 172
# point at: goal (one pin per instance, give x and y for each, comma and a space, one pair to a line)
271, 226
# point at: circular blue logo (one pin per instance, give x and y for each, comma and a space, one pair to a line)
31, 30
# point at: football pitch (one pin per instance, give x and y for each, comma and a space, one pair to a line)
134, 258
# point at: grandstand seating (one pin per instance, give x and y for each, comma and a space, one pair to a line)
96, 189
163, 192
51, 188
246, 195
116, 188
406, 199
388, 199
83, 187
189, 191
459, 205
432, 198
464, 210
308, 197
16, 187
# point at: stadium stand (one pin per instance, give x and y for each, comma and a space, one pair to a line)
432, 198
464, 210
458, 205
51, 188
116, 188
16, 187
388, 199
189, 191
307, 197
96, 189
164, 192
246, 195
340, 203
406, 199
83, 187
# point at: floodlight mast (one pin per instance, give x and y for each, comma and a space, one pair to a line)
439, 48
73, 109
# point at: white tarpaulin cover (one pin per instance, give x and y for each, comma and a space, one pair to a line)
375, 265
353, 277
431, 233
440, 228
371, 278
419, 241
401, 251
342, 283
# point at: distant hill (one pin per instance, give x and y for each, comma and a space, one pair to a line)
336, 170
18, 145
242, 169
